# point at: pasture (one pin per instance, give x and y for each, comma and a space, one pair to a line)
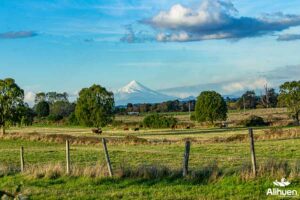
147, 163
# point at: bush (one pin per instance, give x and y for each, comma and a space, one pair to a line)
72, 120
159, 121
193, 117
254, 120
54, 118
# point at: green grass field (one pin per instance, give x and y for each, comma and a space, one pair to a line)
218, 169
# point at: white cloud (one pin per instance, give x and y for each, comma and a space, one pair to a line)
215, 19
234, 87
245, 85
29, 97
210, 12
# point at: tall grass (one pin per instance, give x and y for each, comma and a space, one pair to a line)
208, 173
273, 133
269, 134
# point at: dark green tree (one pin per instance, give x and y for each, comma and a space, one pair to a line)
95, 106
72, 119
11, 99
62, 108
210, 106
42, 109
27, 115
290, 97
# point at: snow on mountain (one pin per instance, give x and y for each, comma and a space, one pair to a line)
135, 93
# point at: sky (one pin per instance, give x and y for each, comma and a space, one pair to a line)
178, 47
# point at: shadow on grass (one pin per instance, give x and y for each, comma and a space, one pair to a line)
199, 131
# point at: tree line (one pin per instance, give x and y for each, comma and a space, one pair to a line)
95, 105
168, 106
248, 100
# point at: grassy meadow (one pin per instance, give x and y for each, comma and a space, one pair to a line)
147, 163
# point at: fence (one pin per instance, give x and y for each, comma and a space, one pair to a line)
185, 164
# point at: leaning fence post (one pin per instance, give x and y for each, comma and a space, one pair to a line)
252, 149
107, 157
68, 156
22, 159
186, 158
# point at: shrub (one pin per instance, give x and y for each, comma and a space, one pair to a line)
254, 120
193, 117
54, 118
72, 119
159, 121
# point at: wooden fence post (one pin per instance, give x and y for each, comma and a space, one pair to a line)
107, 157
186, 158
68, 156
22, 159
252, 149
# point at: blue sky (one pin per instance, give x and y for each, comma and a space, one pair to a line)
179, 47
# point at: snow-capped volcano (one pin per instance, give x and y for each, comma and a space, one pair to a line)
134, 92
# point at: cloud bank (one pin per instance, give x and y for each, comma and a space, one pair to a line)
251, 84
231, 88
18, 34
215, 19
288, 37
236, 87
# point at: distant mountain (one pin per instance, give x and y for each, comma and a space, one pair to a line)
136, 93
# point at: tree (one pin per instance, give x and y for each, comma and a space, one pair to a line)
163, 107
273, 98
51, 97
247, 101
53, 105
129, 107
42, 109
62, 108
210, 106
95, 106
40, 97
27, 115
11, 99
290, 97
269, 98
145, 107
